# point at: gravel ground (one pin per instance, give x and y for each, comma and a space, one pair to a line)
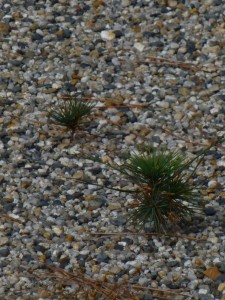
106, 49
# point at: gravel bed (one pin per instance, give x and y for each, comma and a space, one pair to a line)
107, 49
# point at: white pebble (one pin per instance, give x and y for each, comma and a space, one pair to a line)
212, 184
139, 46
107, 35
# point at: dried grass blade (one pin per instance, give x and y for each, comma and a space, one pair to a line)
11, 218
180, 236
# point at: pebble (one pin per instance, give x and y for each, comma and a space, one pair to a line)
139, 46
3, 241
108, 35
4, 252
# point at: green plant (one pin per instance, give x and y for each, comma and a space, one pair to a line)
70, 112
165, 193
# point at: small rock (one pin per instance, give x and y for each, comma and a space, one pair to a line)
57, 230
119, 221
102, 257
4, 252
221, 287
178, 116
212, 184
108, 35
4, 28
162, 274
130, 138
3, 241
139, 46
114, 206
220, 279
172, 3
210, 211
203, 291
163, 104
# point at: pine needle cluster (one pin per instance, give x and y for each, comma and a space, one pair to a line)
70, 112
165, 191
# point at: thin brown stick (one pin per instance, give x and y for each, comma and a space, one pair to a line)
170, 62
175, 63
181, 236
111, 291
112, 102
11, 218
165, 62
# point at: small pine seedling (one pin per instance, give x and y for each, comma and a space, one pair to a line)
70, 112
165, 192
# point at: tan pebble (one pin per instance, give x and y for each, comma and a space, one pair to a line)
3, 241
95, 268
47, 235
14, 123
8, 199
37, 211
136, 28
89, 197
139, 46
130, 138
178, 116
198, 262
76, 246
108, 35
211, 196
221, 287
98, 3
154, 284
184, 91
76, 76
194, 11
44, 294
212, 184
106, 159
176, 277
42, 258
4, 28
69, 238
182, 50
162, 274
114, 206
57, 230
74, 81
163, 104
172, 3
213, 49
82, 230
213, 240
26, 184
78, 175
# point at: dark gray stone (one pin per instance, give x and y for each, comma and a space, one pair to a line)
119, 221
118, 33
37, 37
210, 211
4, 252
57, 203
221, 278
102, 257
107, 77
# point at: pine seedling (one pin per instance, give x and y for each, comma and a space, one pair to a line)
70, 112
165, 191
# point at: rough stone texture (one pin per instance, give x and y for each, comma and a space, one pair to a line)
106, 49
